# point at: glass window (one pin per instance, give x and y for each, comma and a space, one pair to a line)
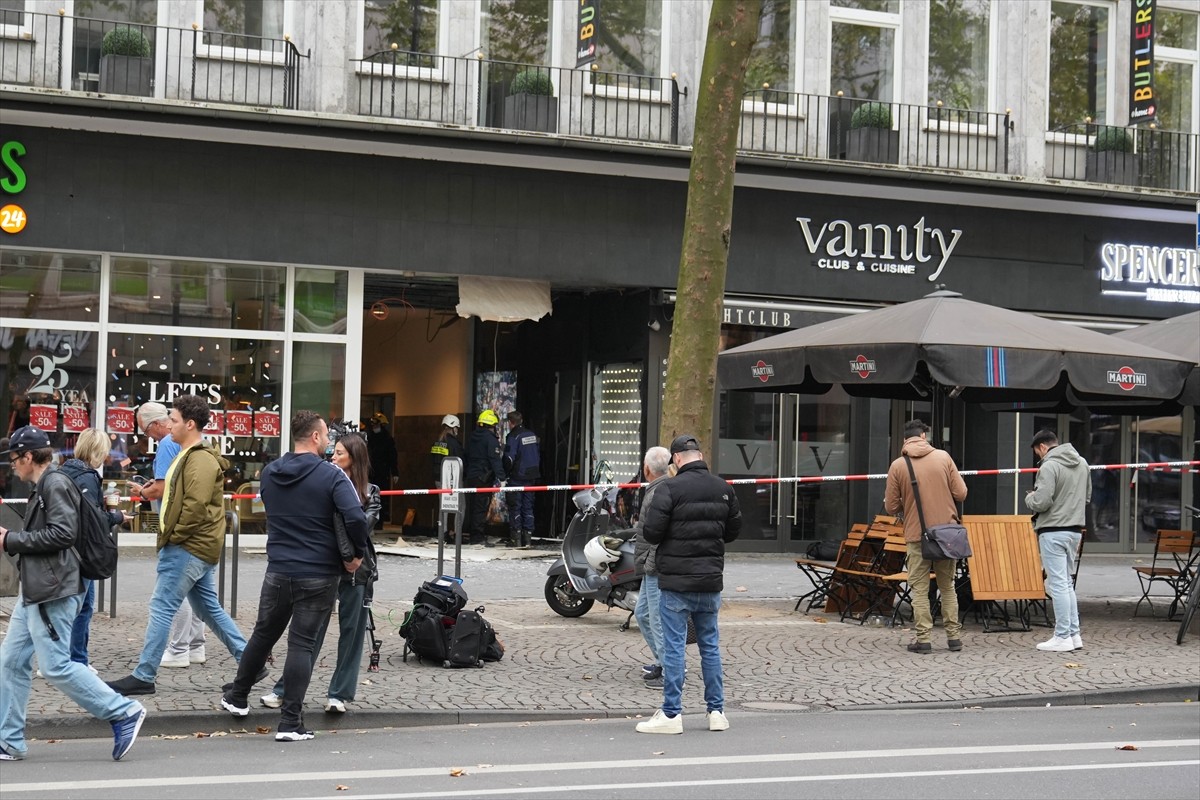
516, 31
775, 49
958, 53
885, 6
251, 20
863, 61
1079, 60
411, 25
62, 286
1175, 29
11, 12
319, 378
320, 301
1176, 60
630, 34
159, 291
143, 12
240, 378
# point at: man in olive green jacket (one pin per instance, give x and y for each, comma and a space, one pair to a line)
191, 535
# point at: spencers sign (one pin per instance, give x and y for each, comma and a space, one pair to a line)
878, 248
1159, 274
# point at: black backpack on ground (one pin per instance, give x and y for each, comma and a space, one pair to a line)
427, 628
95, 547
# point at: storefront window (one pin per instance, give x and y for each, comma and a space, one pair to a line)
958, 53
1079, 59
774, 51
319, 378
59, 286
411, 25
201, 294
630, 36
517, 31
320, 301
1157, 493
240, 378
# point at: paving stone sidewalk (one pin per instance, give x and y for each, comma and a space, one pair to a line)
774, 658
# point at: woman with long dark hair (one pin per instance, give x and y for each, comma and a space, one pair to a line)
354, 592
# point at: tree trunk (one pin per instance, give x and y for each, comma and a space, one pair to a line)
692, 363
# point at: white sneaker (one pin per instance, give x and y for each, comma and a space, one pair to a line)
717, 721
661, 723
196, 656
173, 661
1077, 640
271, 700
1057, 644
335, 706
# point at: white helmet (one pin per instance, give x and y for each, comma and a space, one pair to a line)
601, 552
451, 421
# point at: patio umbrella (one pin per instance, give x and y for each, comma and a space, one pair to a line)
980, 352
1180, 336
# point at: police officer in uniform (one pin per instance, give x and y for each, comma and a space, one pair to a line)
446, 446
484, 468
522, 460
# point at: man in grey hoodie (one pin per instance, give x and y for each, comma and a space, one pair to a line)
1059, 499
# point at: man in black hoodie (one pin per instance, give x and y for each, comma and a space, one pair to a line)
301, 492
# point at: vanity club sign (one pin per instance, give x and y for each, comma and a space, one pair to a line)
878, 248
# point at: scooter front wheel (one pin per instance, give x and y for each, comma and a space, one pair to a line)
564, 600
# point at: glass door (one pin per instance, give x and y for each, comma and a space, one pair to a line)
750, 429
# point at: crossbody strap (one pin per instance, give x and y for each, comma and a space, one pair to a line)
916, 493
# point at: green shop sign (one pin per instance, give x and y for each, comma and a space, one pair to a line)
13, 177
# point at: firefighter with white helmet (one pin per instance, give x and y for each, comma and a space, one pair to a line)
484, 468
446, 446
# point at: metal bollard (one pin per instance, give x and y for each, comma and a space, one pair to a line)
234, 528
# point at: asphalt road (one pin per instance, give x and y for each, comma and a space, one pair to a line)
1150, 751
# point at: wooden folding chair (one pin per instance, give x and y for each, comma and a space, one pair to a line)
820, 573
1173, 565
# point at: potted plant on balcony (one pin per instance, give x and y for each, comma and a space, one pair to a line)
125, 63
871, 137
531, 105
1110, 158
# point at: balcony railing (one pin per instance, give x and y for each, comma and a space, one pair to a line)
848, 129
480, 92
63, 52
1111, 154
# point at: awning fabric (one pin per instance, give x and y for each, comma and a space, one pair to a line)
502, 299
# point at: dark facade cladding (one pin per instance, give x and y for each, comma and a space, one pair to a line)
576, 222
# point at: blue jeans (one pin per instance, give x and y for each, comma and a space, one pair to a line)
352, 627
649, 619
181, 575
674, 609
303, 606
83, 623
27, 634
1058, 549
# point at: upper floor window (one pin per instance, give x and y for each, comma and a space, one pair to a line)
516, 30
630, 37
410, 25
1176, 61
12, 13
142, 12
862, 48
242, 23
959, 37
774, 50
1080, 55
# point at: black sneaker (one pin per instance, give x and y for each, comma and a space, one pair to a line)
954, 644
130, 686
261, 676
238, 709
654, 673
653, 683
298, 735
920, 647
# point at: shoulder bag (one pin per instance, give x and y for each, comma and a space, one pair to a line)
946, 542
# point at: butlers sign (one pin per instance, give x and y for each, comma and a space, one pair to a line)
878, 248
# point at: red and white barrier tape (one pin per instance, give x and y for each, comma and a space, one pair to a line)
1151, 466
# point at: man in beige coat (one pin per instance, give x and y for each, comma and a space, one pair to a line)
941, 488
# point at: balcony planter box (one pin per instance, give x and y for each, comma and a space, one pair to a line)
873, 145
126, 75
531, 112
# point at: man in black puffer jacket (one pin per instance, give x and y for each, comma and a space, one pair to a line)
691, 518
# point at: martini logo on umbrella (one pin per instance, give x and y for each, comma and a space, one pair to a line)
863, 366
1127, 378
763, 371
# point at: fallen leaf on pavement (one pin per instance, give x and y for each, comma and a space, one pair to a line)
262, 729
172, 736
1071, 665
1133, 724
219, 733
53, 741
1128, 747
342, 788
201, 735
820, 620
740, 589
658, 752
457, 772
587, 677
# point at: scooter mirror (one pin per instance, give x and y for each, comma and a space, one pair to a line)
587, 499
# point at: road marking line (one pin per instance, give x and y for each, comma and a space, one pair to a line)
641, 763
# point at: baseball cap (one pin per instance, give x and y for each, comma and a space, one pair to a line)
684, 442
27, 439
149, 413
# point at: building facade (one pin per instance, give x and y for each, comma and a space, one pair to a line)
283, 205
